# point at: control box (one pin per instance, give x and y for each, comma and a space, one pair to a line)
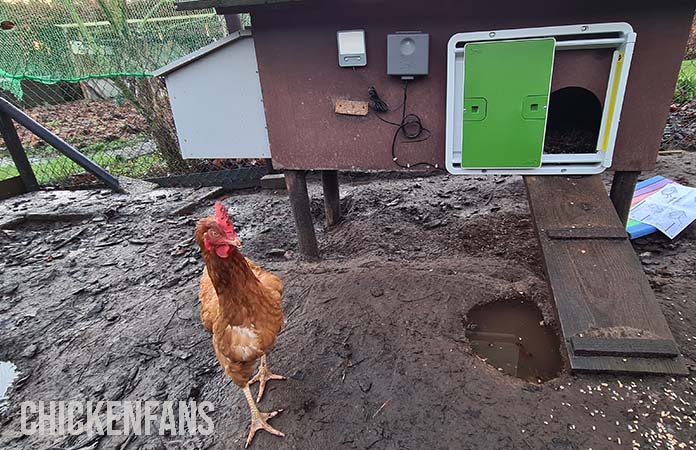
408, 53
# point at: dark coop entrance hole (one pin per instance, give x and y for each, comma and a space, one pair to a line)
574, 117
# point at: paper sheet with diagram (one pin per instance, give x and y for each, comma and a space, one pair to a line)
670, 210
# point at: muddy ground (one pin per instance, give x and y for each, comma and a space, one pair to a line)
680, 131
105, 307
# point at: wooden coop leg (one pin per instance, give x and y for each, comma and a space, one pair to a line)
332, 200
622, 188
296, 182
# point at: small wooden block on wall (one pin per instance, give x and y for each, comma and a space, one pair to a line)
351, 107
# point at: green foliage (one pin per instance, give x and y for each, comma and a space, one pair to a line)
115, 12
55, 170
686, 83
99, 147
52, 168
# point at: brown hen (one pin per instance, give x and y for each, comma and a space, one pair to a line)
241, 307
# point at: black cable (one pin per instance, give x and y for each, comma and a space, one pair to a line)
376, 103
379, 106
411, 126
387, 121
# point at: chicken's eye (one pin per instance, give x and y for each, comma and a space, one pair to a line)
214, 233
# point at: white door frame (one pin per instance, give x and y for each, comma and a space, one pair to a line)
569, 37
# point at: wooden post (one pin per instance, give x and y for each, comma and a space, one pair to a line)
269, 166
332, 199
19, 156
296, 182
622, 187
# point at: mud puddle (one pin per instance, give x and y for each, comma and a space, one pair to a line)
511, 336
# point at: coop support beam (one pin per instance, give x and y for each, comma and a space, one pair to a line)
269, 166
622, 188
332, 200
54, 141
19, 156
296, 182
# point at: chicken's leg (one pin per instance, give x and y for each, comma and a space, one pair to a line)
259, 420
263, 376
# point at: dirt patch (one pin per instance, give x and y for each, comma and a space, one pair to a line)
680, 132
570, 141
375, 343
84, 122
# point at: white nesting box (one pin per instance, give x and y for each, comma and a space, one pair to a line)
215, 94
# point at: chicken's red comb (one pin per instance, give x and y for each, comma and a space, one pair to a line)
222, 216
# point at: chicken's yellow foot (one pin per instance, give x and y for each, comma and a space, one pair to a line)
263, 376
259, 420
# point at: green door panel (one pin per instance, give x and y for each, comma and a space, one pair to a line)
506, 92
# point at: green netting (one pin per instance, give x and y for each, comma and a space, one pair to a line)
73, 40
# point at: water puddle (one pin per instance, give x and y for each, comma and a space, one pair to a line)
510, 336
8, 373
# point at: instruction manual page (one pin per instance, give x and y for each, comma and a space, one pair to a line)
670, 210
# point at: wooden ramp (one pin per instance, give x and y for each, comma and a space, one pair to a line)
609, 315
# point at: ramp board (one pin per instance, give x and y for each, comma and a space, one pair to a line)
609, 316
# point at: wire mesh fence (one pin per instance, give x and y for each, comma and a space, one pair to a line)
680, 133
113, 134
82, 69
76, 40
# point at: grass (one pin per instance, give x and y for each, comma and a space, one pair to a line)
44, 150
57, 169
686, 83
688, 68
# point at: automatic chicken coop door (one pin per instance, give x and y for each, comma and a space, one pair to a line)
495, 99
498, 88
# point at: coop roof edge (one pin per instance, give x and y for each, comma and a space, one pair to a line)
187, 5
201, 52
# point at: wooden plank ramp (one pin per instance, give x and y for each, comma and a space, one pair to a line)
609, 316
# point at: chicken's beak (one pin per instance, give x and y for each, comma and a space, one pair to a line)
236, 242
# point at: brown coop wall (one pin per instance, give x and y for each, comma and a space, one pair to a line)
301, 80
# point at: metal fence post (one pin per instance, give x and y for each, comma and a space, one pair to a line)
19, 156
